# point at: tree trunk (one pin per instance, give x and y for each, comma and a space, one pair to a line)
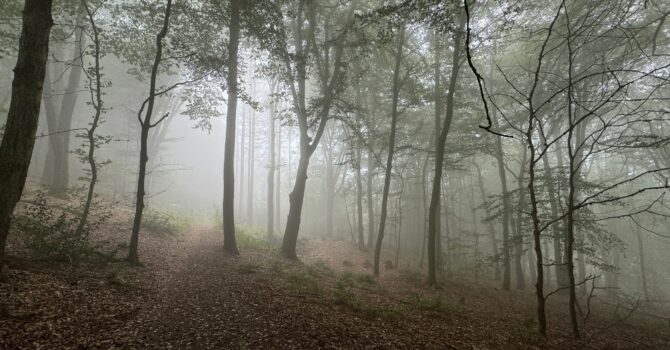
271, 167
359, 195
252, 154
90, 134
370, 203
296, 198
643, 270
434, 249
229, 242
559, 268
145, 125
18, 139
502, 173
518, 237
489, 225
389, 159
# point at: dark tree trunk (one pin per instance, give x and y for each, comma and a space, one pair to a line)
229, 242
329, 87
389, 159
90, 133
18, 139
518, 230
434, 250
145, 125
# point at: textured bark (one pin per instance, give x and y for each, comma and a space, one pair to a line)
329, 87
18, 139
389, 159
229, 242
434, 250
145, 125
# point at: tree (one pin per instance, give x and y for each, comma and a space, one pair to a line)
229, 242
391, 148
433, 211
18, 138
95, 87
145, 126
330, 79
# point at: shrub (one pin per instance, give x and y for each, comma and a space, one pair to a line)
53, 234
163, 222
251, 237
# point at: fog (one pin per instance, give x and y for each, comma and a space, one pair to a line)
455, 144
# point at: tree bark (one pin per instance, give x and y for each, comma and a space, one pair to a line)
434, 208
145, 125
370, 203
18, 139
229, 242
96, 101
271, 167
389, 159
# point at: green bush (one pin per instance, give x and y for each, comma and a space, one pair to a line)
251, 237
163, 222
53, 234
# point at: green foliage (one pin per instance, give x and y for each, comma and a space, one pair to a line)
251, 237
163, 222
249, 268
529, 328
304, 283
428, 303
319, 269
53, 234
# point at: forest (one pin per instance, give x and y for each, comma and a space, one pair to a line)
306, 174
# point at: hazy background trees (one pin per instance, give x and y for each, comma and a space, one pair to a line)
363, 121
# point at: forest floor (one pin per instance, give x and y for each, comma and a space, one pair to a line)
188, 294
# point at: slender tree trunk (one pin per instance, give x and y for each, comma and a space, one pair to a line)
489, 225
96, 101
241, 171
278, 187
518, 237
643, 270
370, 203
559, 269
133, 257
434, 249
359, 198
229, 242
271, 168
18, 139
502, 173
391, 150
424, 202
252, 156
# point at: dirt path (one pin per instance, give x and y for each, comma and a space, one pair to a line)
190, 295
205, 302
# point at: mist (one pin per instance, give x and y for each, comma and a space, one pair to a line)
314, 174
